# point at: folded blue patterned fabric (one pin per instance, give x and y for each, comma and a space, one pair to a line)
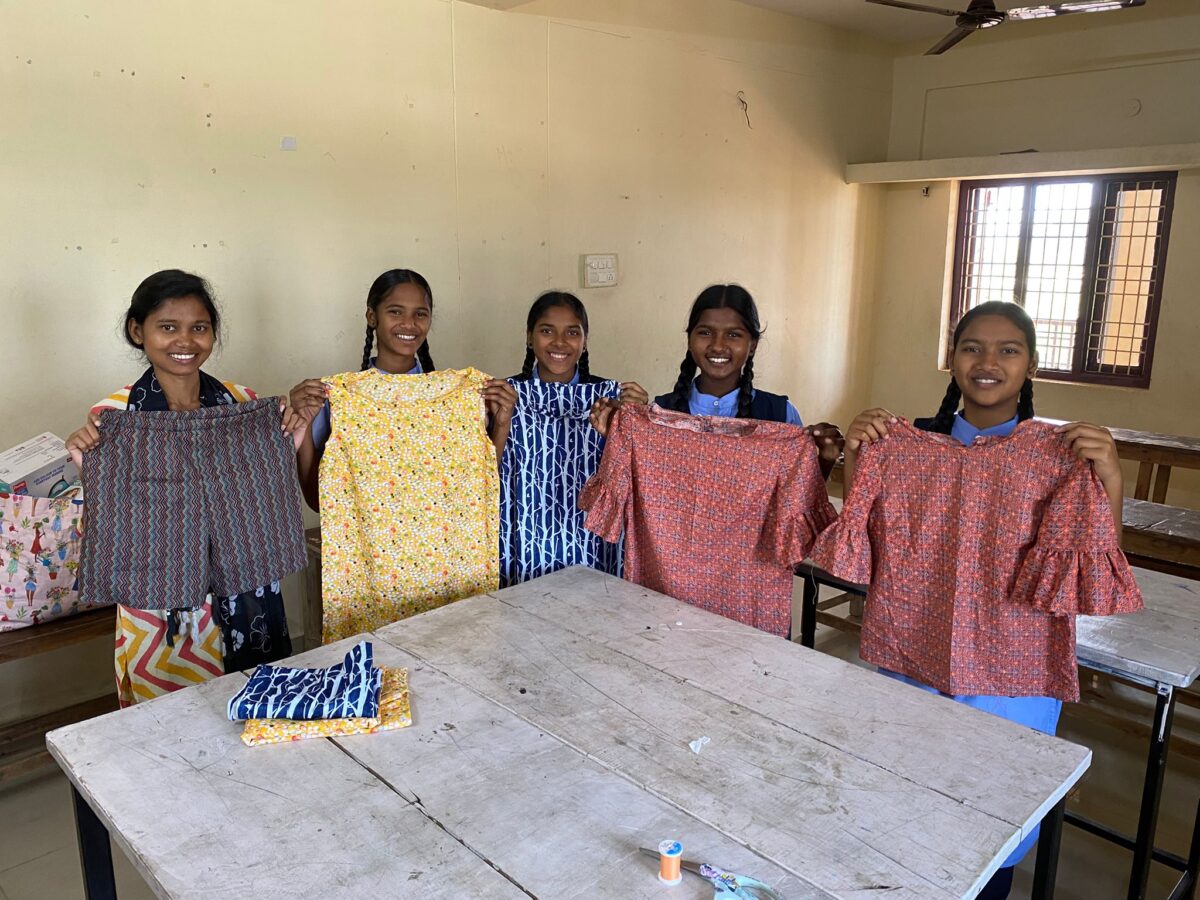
349, 690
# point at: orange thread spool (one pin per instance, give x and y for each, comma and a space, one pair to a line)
670, 854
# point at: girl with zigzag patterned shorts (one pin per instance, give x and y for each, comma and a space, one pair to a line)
177, 520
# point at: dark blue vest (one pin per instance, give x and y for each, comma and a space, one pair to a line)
765, 406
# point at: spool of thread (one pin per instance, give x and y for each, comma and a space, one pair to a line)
670, 854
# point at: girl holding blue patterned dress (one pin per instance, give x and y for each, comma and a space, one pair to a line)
550, 450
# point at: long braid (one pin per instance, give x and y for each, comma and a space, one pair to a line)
584, 372
367, 347
678, 398
746, 389
943, 422
424, 358
1025, 401
527, 366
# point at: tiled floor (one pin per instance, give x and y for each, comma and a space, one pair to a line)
39, 859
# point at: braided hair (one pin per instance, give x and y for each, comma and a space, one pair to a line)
380, 288
943, 422
547, 301
719, 296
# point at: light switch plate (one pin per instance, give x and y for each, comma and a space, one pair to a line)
598, 270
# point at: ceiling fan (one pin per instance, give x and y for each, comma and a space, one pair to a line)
983, 14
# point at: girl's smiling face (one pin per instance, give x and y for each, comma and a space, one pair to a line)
401, 322
558, 340
720, 344
990, 364
177, 337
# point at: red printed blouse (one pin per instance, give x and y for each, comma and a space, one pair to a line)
978, 558
716, 511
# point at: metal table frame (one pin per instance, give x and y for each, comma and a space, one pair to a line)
1142, 845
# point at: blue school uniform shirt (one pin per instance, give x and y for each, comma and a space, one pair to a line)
1040, 713
321, 426
574, 378
552, 451
700, 404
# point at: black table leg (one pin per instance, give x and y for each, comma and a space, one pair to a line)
1185, 889
1049, 840
808, 612
1156, 765
95, 852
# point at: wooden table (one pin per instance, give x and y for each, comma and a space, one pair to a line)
1156, 450
1157, 647
551, 736
1151, 449
1161, 537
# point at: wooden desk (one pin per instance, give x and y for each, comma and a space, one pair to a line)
550, 741
1156, 450
1151, 449
1162, 537
1157, 647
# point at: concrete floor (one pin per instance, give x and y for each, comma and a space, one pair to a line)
39, 859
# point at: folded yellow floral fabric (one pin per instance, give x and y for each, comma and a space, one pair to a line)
395, 711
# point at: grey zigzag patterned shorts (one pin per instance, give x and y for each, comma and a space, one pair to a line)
181, 503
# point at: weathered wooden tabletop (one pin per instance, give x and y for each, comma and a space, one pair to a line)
551, 736
1160, 643
1160, 532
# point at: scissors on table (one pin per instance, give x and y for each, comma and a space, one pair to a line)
727, 884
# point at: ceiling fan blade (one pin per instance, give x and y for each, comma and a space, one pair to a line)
949, 41
918, 7
1050, 10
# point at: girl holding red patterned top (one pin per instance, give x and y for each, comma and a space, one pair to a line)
992, 367
716, 377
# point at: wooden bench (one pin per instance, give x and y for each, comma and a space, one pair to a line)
23, 743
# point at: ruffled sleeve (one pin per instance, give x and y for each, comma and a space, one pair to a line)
844, 549
799, 510
607, 493
1075, 566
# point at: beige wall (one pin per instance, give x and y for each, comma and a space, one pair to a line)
1058, 91
486, 149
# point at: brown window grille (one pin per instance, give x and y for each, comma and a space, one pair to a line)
1083, 255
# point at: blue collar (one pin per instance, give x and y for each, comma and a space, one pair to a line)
966, 433
700, 404
574, 378
415, 370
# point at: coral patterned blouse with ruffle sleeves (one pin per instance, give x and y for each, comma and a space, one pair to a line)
715, 511
978, 558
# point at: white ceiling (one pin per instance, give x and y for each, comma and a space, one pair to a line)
876, 21
901, 25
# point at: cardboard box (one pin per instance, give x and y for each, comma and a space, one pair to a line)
39, 467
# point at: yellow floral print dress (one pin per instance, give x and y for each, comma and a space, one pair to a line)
410, 498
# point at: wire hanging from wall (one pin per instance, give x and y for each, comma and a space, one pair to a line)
741, 99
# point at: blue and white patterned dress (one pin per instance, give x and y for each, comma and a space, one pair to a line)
552, 451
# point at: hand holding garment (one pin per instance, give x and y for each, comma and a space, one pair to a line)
715, 511
181, 503
409, 498
552, 451
978, 558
